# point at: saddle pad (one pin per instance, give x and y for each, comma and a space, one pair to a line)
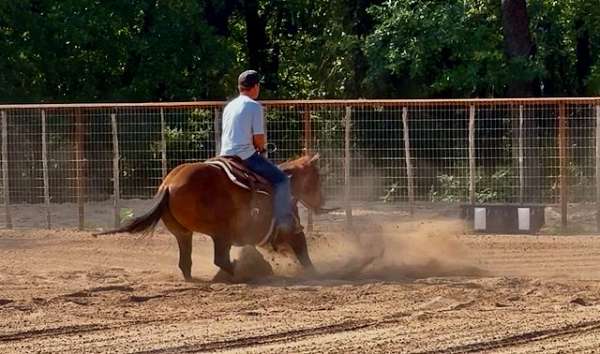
240, 175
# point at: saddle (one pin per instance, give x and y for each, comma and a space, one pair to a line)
240, 175
243, 177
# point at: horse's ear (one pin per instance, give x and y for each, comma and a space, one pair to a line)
314, 158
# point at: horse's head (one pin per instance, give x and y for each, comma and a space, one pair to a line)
305, 181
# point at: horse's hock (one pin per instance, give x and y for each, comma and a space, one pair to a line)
504, 218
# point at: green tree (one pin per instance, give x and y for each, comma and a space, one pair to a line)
457, 48
141, 50
111, 50
436, 49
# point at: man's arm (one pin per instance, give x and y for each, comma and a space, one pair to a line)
259, 141
259, 138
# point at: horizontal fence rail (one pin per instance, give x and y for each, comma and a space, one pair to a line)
400, 152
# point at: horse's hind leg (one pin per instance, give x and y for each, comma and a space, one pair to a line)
221, 256
184, 240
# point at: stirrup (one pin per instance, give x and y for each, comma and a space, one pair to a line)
294, 228
282, 229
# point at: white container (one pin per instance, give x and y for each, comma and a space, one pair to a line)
479, 219
524, 219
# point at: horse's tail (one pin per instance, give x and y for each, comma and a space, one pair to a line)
148, 221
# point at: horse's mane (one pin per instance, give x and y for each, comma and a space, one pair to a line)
296, 164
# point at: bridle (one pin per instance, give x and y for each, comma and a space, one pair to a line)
317, 209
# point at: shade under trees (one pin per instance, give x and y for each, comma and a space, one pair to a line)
149, 50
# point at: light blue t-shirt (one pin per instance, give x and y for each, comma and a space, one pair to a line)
242, 118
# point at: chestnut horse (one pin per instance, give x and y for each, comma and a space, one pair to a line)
198, 197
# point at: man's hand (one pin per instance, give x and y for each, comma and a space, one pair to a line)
260, 142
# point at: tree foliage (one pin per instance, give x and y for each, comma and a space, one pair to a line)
140, 50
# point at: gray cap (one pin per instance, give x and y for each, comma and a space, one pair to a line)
248, 78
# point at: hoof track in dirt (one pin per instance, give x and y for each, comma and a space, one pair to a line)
288, 336
410, 288
52, 332
90, 292
522, 338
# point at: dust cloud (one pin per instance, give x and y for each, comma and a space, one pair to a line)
399, 251
372, 250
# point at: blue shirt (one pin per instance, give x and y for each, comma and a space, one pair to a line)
242, 119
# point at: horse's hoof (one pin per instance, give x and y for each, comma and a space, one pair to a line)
251, 265
194, 280
223, 277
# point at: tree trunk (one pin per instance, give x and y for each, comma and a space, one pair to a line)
519, 49
518, 45
584, 56
217, 14
261, 56
135, 57
359, 22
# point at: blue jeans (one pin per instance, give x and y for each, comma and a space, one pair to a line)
282, 200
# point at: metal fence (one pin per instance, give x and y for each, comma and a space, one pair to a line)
400, 152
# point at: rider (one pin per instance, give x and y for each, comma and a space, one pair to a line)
243, 135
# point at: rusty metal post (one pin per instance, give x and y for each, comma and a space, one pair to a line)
598, 168
472, 154
5, 175
347, 163
116, 173
217, 129
521, 158
45, 171
80, 166
409, 167
563, 163
307, 150
163, 143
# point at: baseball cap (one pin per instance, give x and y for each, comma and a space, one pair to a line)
248, 78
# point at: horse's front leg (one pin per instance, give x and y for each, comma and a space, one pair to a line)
298, 243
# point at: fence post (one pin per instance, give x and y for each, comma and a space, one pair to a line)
217, 128
409, 167
472, 154
116, 187
5, 170
80, 166
598, 167
308, 148
266, 123
163, 143
45, 171
562, 155
521, 158
347, 163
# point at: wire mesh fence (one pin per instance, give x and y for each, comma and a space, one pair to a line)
399, 152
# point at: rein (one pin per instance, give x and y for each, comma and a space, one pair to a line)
318, 210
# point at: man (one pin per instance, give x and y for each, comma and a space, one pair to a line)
243, 135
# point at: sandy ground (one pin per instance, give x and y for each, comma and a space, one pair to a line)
392, 285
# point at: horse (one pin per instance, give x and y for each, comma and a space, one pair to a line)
201, 197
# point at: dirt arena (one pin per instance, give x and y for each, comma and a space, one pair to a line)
394, 285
